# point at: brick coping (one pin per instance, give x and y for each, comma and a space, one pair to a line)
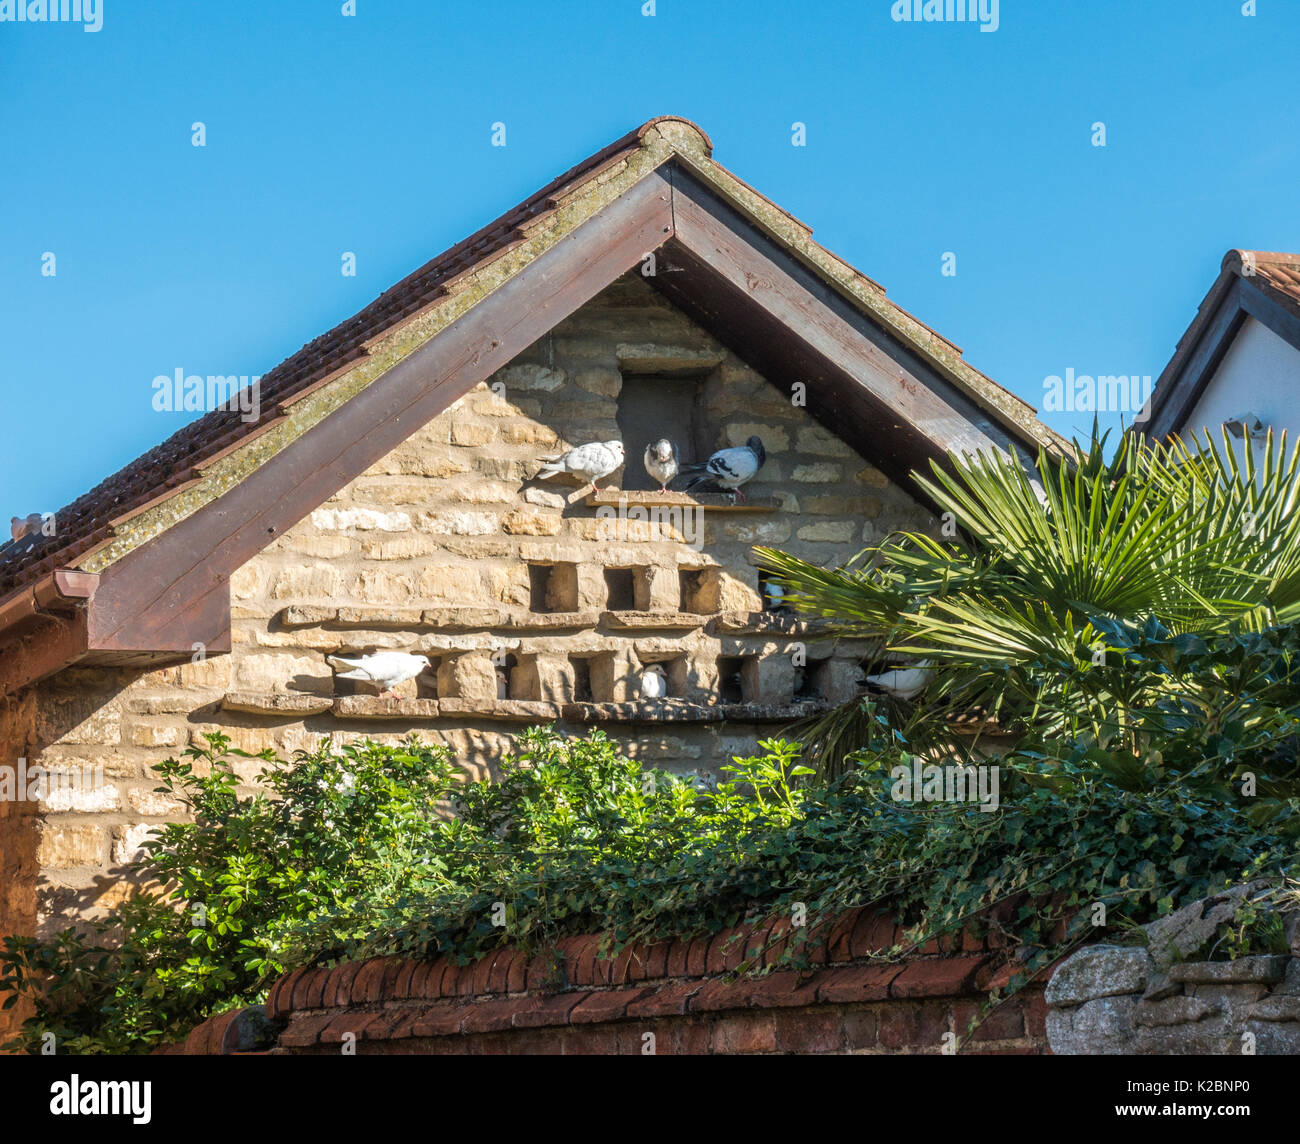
569, 983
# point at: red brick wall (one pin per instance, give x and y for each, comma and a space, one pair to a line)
850, 1000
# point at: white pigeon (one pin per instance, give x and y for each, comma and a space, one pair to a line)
386, 668
730, 468
503, 684
654, 683
775, 596
591, 462
901, 682
661, 461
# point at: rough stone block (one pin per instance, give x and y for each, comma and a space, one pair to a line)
1098, 971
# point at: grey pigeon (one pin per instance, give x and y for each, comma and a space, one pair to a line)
386, 668
591, 462
661, 462
729, 468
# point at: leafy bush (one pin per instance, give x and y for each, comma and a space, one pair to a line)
378, 850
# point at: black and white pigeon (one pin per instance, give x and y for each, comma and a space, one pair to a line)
729, 468
386, 668
591, 462
661, 462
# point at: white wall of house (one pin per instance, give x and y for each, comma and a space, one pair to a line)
1260, 374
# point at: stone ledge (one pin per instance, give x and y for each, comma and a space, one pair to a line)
640, 621
680, 711
374, 707
511, 710
617, 499
776, 623
275, 703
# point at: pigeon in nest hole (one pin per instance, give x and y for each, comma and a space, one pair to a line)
591, 462
385, 668
661, 462
654, 683
729, 468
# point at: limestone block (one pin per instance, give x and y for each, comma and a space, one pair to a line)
872, 477
66, 846
454, 584
532, 522
279, 673
128, 841
485, 492
379, 586
148, 736
843, 506
820, 473
406, 547
775, 438
829, 532
471, 676
413, 462
543, 498
306, 582
248, 582
77, 718
507, 584
759, 530
530, 377
469, 434
361, 519
525, 432
78, 792
458, 523
820, 442
149, 804
602, 380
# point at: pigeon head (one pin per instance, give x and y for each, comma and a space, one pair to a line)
755, 446
662, 450
615, 447
424, 659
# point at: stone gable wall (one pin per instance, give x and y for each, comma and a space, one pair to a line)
428, 552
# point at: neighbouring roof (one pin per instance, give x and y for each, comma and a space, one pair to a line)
1261, 284
90, 524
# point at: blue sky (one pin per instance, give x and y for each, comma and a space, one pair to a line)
372, 133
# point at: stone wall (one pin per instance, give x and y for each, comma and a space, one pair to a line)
430, 551
675, 997
1158, 999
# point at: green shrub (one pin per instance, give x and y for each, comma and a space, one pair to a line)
381, 850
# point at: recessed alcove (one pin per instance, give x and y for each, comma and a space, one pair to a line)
552, 588
737, 679
620, 589
676, 669
812, 679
